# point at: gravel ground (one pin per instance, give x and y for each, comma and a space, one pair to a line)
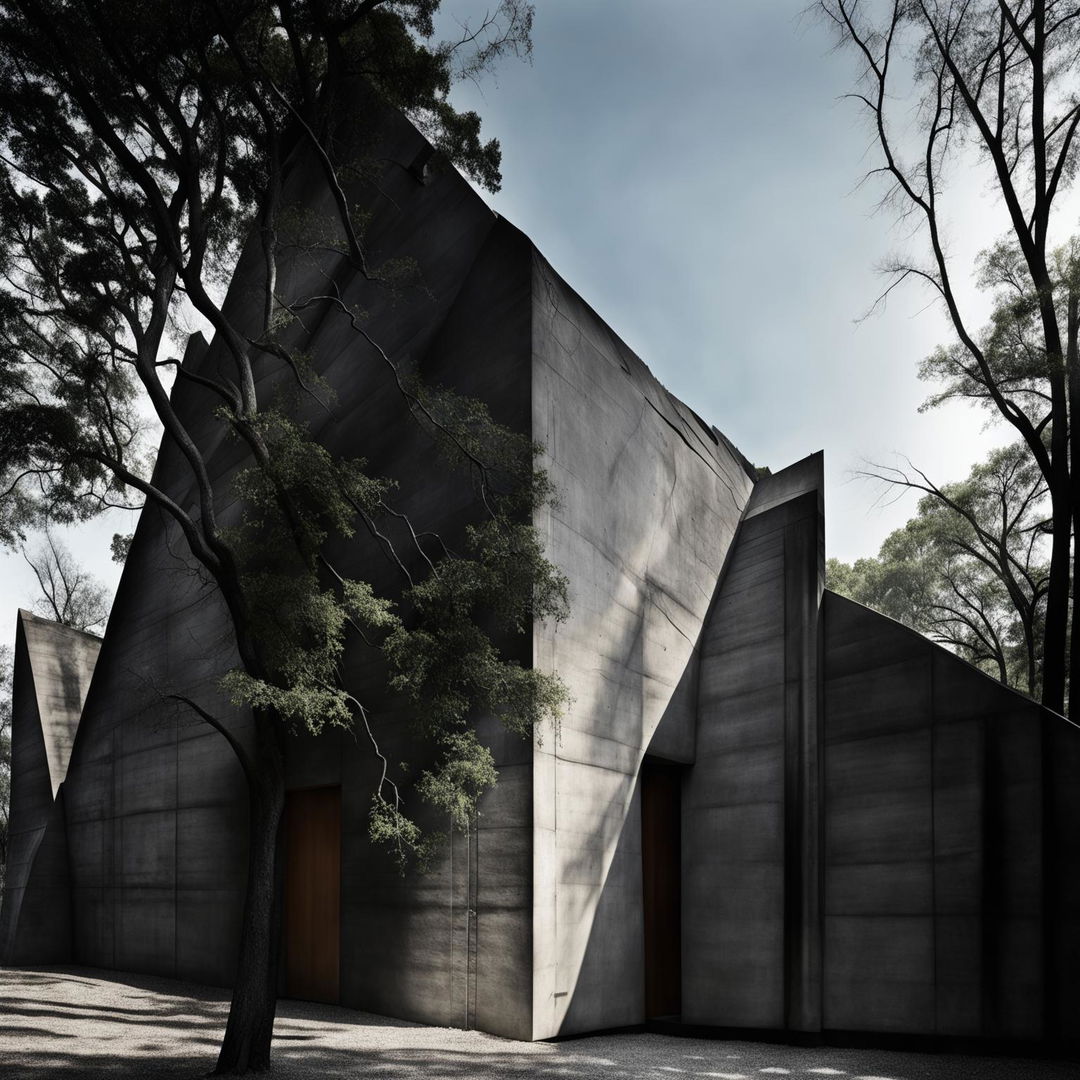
72, 1022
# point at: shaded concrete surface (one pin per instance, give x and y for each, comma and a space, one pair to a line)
940, 852
156, 804
649, 501
70, 1022
751, 946
53, 668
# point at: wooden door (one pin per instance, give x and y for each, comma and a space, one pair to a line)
313, 894
661, 872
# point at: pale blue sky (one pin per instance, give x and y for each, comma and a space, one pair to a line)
692, 172
689, 168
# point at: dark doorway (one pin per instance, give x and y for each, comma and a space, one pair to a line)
313, 894
661, 873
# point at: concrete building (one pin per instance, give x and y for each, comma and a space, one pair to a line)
767, 807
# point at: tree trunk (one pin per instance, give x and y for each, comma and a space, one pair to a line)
1056, 638
1057, 597
246, 1046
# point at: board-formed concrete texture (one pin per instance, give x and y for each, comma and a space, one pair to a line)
650, 497
53, 668
874, 836
941, 860
751, 802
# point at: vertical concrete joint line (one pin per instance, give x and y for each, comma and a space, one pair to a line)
802, 866
473, 895
1048, 880
819, 922
933, 832
116, 875
450, 833
792, 883
176, 842
468, 915
555, 861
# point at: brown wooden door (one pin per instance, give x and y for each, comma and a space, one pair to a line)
661, 872
313, 894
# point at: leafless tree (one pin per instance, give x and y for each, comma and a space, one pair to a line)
940, 79
69, 593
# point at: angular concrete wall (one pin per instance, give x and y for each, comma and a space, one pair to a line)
452, 946
53, 668
650, 499
158, 809
649, 494
750, 923
1061, 894
155, 801
942, 878
875, 836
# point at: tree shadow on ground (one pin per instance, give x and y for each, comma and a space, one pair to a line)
448, 1064
65, 1036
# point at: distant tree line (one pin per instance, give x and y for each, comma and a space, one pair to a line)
969, 569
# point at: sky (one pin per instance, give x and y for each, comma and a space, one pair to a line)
693, 172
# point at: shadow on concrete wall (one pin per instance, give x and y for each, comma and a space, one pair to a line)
622, 845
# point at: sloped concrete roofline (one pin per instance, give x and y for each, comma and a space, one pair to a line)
62, 661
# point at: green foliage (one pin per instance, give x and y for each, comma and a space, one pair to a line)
465, 771
120, 546
299, 491
503, 462
1012, 343
142, 145
390, 828
365, 608
442, 636
446, 661
299, 629
992, 82
417, 79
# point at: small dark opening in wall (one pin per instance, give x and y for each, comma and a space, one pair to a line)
661, 874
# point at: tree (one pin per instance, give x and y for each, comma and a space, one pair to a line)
969, 569
140, 146
998, 78
69, 594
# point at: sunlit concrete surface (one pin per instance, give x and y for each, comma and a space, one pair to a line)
71, 1022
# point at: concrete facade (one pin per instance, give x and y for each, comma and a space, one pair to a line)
751, 955
874, 836
53, 669
940, 853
